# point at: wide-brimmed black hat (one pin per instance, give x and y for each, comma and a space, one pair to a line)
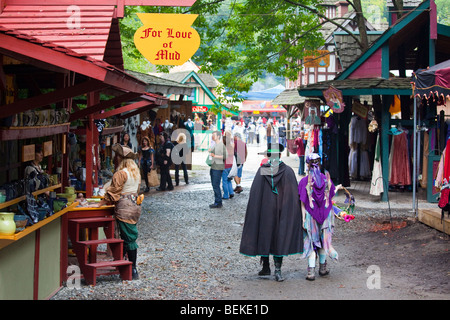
274, 148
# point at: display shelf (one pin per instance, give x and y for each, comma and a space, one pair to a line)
112, 130
23, 198
34, 227
18, 133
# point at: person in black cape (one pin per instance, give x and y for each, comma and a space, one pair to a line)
273, 219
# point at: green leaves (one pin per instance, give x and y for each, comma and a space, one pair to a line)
241, 39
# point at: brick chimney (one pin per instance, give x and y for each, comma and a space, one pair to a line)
342, 8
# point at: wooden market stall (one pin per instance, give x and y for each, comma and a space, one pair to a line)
432, 86
412, 42
40, 82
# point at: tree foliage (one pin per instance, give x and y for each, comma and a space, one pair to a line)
245, 39
240, 39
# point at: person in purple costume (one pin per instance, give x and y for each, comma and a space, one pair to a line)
316, 191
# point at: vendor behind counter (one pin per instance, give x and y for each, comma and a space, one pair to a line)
123, 193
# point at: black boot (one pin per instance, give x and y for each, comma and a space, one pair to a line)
132, 256
278, 262
266, 267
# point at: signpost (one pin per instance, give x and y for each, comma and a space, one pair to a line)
167, 39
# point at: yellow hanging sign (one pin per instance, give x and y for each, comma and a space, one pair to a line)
167, 39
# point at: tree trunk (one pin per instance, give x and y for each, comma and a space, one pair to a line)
398, 6
361, 22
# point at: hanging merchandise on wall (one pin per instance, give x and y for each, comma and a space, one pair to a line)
358, 159
399, 158
312, 116
376, 185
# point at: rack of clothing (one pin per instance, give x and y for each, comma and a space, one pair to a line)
400, 157
358, 158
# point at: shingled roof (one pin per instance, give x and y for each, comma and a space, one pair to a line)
162, 85
363, 86
207, 79
288, 97
406, 3
347, 50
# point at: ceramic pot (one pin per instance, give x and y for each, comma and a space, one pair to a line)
7, 224
51, 116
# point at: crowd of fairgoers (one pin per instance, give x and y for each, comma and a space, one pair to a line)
259, 129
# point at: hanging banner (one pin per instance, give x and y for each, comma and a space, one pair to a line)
167, 39
334, 99
317, 59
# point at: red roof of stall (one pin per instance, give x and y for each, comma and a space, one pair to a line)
88, 30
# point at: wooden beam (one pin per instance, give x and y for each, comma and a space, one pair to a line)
138, 111
22, 105
116, 111
125, 82
16, 133
433, 217
105, 104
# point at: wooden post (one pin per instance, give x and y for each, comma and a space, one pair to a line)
93, 98
89, 156
385, 126
342, 143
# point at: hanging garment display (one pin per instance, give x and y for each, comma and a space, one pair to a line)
310, 143
395, 106
376, 185
399, 160
358, 168
443, 173
312, 118
426, 151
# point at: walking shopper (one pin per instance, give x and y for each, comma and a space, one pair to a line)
316, 192
218, 154
123, 193
126, 140
179, 154
227, 185
269, 133
251, 132
282, 133
240, 151
273, 218
146, 159
164, 160
300, 153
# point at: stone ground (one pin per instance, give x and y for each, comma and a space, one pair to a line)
191, 252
